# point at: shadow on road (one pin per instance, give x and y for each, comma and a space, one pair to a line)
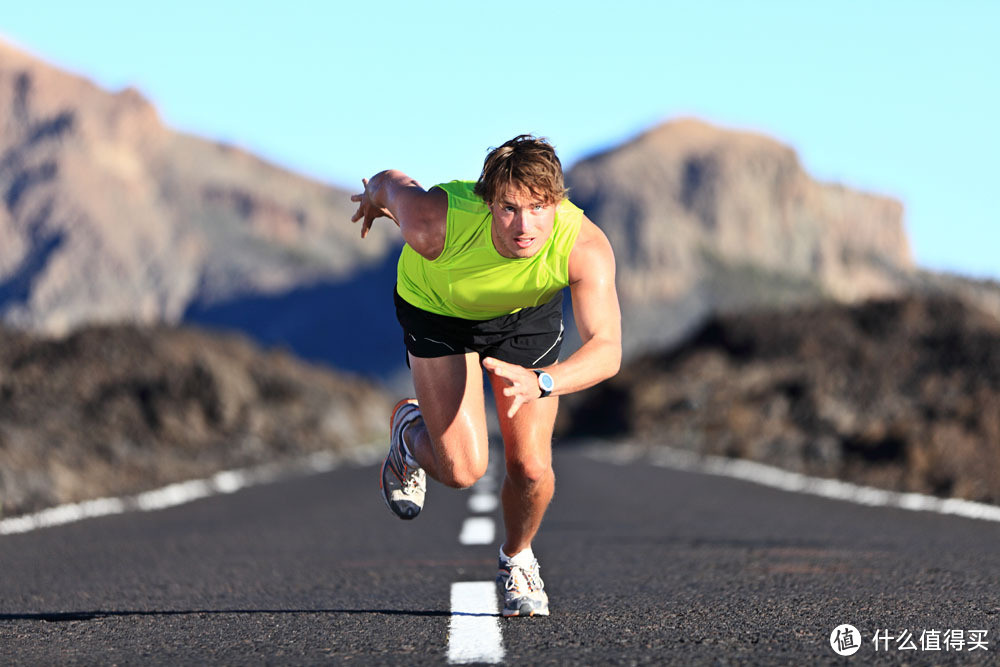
68, 616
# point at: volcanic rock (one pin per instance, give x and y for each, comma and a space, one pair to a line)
122, 409
902, 394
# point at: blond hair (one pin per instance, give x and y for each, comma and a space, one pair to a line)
527, 162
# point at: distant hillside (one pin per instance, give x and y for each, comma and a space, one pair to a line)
106, 215
112, 410
902, 394
704, 219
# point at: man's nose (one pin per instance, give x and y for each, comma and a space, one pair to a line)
518, 223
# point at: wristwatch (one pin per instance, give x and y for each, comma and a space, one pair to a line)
545, 383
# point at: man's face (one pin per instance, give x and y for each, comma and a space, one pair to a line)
522, 223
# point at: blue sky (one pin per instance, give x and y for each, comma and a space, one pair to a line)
900, 98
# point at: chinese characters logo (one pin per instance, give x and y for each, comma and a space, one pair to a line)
845, 639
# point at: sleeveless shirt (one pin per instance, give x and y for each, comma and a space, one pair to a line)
470, 279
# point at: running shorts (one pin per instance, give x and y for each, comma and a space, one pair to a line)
531, 337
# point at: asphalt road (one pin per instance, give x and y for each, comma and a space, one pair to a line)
643, 565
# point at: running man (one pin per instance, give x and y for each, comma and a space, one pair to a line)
479, 285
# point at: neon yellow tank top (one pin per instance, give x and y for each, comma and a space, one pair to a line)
470, 279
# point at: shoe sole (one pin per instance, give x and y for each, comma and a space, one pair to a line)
518, 614
515, 613
381, 485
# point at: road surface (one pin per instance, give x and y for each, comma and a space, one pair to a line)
644, 565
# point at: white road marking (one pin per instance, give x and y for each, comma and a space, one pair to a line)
482, 503
777, 478
478, 530
474, 634
172, 495
485, 484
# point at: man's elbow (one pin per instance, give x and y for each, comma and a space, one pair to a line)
613, 360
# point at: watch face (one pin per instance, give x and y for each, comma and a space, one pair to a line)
546, 382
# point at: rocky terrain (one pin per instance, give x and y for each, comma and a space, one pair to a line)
113, 410
901, 394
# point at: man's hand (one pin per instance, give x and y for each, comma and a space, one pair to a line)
522, 383
368, 210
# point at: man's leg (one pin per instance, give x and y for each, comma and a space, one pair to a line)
527, 490
530, 481
450, 441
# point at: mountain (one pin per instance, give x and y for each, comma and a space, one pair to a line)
703, 218
900, 394
106, 215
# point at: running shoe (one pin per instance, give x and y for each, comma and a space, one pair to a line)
523, 590
403, 486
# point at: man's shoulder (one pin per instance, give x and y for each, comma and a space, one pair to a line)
592, 253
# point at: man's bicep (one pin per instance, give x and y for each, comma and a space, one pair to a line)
595, 301
423, 220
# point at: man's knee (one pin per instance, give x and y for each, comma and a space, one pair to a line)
464, 470
462, 476
529, 470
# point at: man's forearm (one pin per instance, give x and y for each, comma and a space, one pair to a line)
597, 360
420, 214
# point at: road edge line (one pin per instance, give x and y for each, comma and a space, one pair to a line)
785, 480
180, 493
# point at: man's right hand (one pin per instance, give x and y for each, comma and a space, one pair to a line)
368, 210
421, 216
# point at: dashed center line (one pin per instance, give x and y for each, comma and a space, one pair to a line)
478, 530
482, 503
474, 634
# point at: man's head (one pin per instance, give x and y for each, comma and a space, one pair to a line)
522, 183
523, 163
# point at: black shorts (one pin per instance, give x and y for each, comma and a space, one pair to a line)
531, 337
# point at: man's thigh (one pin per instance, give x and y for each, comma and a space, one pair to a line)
527, 436
450, 392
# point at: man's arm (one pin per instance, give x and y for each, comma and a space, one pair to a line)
598, 319
422, 215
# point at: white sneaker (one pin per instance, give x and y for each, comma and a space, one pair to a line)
403, 486
523, 590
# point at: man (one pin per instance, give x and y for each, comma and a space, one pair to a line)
479, 285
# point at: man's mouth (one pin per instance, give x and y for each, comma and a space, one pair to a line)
524, 242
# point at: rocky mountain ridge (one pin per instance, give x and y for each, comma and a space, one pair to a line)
705, 219
109, 216
106, 215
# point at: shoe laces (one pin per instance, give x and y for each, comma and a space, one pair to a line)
412, 479
531, 576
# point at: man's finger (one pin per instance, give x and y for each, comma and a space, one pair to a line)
497, 366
